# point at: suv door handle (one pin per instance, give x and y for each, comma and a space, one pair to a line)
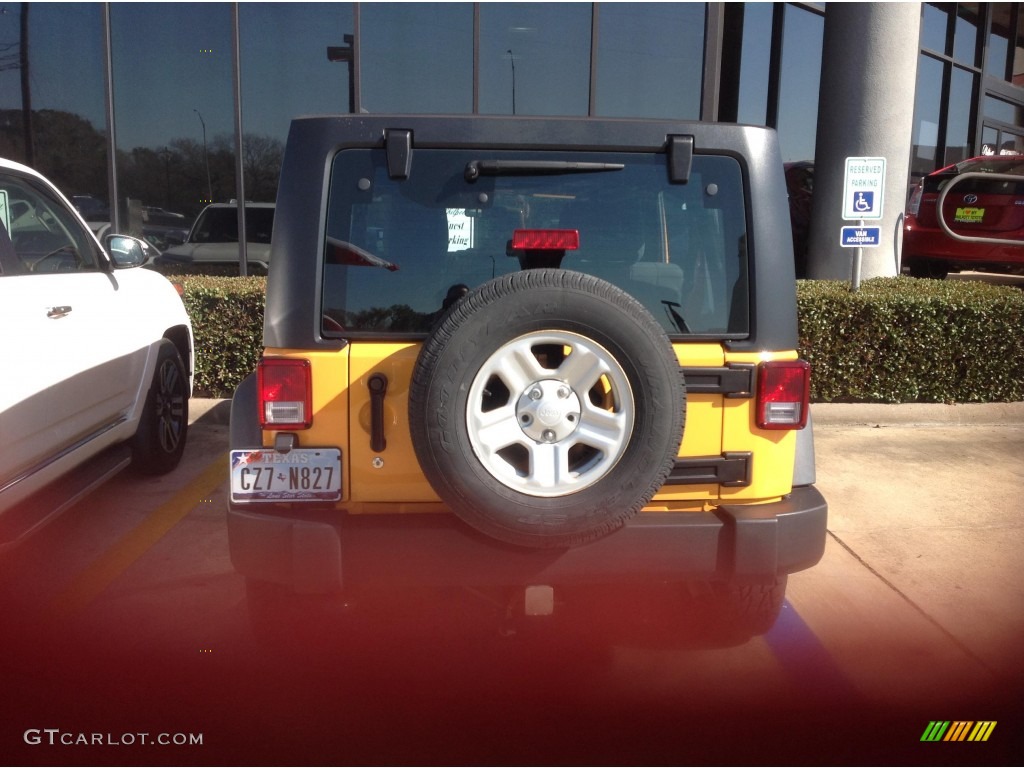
55, 313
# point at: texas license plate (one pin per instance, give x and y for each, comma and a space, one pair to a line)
301, 474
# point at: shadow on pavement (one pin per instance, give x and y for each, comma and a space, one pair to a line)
443, 679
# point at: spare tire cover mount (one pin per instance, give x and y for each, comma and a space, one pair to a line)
546, 408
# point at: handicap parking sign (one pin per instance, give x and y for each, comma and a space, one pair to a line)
863, 201
863, 188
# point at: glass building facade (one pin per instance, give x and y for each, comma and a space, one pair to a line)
173, 105
970, 84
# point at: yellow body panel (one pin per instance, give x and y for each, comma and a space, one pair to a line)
394, 473
774, 450
702, 432
391, 480
330, 405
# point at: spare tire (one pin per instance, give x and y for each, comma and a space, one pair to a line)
547, 408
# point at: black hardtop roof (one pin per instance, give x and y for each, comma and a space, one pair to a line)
292, 320
496, 131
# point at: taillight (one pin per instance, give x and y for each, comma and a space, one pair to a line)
545, 239
915, 200
285, 392
783, 394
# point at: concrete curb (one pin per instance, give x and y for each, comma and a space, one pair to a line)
217, 411
209, 410
917, 414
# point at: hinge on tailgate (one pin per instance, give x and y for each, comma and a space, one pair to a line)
398, 144
680, 158
732, 380
732, 469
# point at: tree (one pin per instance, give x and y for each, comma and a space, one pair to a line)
261, 163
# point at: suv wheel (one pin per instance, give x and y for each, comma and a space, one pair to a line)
160, 440
547, 408
750, 609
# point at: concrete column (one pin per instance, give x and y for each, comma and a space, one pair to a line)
865, 109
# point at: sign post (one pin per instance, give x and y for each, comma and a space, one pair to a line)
863, 192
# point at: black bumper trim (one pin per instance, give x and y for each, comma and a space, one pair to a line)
737, 541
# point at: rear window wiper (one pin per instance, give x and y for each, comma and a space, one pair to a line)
477, 168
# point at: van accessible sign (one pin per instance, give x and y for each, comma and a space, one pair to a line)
860, 237
863, 187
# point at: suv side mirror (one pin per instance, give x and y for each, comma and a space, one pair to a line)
127, 251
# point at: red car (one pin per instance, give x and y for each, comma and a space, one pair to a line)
980, 207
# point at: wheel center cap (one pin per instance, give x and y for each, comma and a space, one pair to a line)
548, 411
549, 415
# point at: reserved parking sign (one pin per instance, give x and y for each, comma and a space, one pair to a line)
863, 187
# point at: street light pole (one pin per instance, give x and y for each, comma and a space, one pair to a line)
166, 155
206, 158
346, 53
512, 58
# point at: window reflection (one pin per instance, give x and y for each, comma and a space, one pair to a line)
963, 19
1000, 35
997, 141
755, 64
649, 60
57, 124
284, 64
174, 102
798, 89
535, 58
960, 116
1017, 66
282, 45
935, 26
965, 41
174, 91
927, 115
417, 57
1004, 111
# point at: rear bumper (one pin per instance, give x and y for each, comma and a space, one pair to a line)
927, 243
319, 553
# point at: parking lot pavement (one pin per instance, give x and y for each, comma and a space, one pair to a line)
989, 277
913, 615
927, 499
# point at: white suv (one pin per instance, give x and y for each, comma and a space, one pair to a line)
98, 357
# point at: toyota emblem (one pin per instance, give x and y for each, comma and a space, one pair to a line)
970, 199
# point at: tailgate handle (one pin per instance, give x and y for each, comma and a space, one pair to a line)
378, 385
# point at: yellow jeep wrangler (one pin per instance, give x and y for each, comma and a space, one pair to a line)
528, 353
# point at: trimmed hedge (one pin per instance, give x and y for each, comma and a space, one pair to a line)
895, 340
903, 340
227, 320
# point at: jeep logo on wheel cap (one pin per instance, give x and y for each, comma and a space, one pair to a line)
548, 411
549, 415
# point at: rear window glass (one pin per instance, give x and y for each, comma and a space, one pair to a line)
398, 251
